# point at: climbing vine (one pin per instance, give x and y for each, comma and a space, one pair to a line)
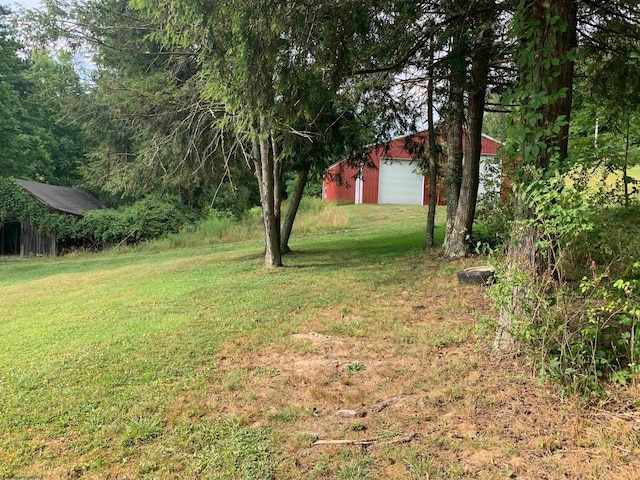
18, 205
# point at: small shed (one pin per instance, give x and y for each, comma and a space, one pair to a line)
394, 176
24, 238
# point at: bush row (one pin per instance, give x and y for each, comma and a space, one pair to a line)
146, 219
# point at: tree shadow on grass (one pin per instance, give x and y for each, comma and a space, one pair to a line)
369, 250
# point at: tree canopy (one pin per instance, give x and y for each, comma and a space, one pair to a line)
41, 141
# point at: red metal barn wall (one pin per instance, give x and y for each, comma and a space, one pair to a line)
342, 182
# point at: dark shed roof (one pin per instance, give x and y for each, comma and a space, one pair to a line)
63, 199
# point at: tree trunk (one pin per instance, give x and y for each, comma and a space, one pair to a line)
455, 118
433, 158
521, 256
294, 204
625, 177
266, 169
548, 39
458, 241
278, 168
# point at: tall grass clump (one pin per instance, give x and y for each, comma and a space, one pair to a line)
216, 229
314, 216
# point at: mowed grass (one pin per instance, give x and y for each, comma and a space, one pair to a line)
185, 358
95, 349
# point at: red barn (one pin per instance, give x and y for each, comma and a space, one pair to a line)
396, 177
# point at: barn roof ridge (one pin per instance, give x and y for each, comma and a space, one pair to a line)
64, 199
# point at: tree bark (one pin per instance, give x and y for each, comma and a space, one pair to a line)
458, 242
455, 118
278, 168
294, 204
523, 254
266, 171
433, 158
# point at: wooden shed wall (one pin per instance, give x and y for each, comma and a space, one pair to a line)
35, 242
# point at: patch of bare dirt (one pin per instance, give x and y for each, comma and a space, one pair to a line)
432, 399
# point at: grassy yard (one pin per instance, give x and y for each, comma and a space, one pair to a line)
186, 359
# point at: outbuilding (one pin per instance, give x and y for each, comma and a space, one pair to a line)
392, 174
24, 238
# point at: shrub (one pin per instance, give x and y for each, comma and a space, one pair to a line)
145, 220
586, 337
494, 214
582, 331
614, 242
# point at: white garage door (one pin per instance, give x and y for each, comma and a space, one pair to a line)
400, 183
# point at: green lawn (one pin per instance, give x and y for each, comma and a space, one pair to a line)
159, 362
94, 345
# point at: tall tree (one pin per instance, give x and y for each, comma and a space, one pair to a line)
454, 122
433, 152
482, 18
257, 61
37, 93
11, 109
546, 36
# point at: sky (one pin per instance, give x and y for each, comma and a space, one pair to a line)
23, 3
82, 60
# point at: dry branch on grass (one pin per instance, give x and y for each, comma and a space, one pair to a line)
367, 442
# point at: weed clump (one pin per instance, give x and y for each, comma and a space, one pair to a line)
581, 326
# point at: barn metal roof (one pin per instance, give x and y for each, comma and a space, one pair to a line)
63, 199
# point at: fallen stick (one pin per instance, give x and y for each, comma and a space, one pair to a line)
367, 442
345, 442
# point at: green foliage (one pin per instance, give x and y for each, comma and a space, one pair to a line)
614, 241
582, 333
312, 189
534, 126
582, 338
39, 142
145, 220
494, 211
354, 367
495, 125
605, 126
609, 335
236, 196
357, 427
495, 215
608, 153
559, 213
